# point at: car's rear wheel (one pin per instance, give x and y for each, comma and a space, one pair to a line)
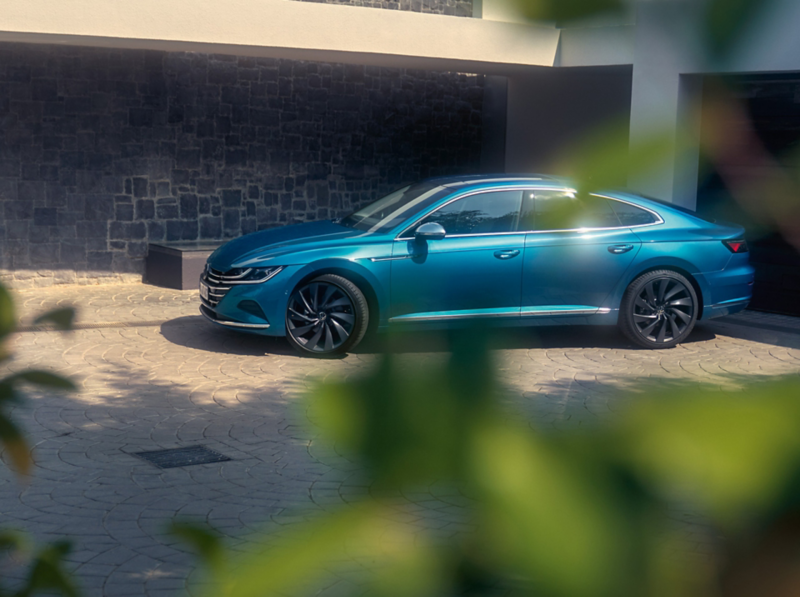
659, 309
326, 316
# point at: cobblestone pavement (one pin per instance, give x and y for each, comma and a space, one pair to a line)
154, 375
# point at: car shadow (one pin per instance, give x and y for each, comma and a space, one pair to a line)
522, 338
197, 333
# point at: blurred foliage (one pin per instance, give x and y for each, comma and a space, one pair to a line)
600, 158
727, 21
581, 513
46, 574
565, 11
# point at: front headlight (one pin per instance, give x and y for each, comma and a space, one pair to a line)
254, 275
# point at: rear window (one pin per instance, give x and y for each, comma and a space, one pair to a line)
681, 209
630, 215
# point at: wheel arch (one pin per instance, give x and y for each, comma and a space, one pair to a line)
678, 270
359, 276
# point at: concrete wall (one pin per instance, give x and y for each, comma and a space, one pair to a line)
286, 29
103, 150
553, 108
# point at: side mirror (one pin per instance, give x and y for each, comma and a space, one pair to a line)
430, 231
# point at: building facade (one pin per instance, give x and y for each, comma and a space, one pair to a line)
123, 125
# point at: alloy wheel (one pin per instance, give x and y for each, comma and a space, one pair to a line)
321, 317
663, 310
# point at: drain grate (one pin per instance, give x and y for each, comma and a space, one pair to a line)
188, 456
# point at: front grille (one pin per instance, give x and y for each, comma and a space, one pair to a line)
219, 283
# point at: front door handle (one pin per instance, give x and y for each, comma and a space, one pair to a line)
506, 253
618, 249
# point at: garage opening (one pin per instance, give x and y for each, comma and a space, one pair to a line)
773, 105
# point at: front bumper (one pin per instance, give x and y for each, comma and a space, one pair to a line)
255, 308
207, 312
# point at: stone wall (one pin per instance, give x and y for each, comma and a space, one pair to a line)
459, 8
102, 151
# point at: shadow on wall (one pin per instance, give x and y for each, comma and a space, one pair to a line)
103, 151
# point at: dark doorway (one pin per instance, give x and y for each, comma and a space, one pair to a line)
773, 104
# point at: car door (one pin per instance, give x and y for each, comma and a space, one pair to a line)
576, 252
474, 271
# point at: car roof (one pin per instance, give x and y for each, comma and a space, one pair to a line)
478, 179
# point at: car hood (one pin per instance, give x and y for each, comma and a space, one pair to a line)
268, 243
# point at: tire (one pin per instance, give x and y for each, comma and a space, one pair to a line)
326, 316
658, 310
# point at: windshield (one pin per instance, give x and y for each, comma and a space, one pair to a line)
391, 210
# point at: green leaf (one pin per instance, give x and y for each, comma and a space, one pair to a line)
734, 451
727, 21
45, 378
405, 567
7, 391
202, 540
564, 11
12, 540
47, 572
602, 158
7, 317
61, 318
15, 445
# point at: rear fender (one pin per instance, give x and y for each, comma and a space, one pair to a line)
676, 264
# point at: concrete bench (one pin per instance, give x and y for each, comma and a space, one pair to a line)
176, 265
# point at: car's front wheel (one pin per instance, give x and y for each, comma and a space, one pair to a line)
659, 309
326, 316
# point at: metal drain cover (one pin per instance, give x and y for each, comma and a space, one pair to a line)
175, 457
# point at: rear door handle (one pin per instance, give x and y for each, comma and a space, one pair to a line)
506, 253
617, 249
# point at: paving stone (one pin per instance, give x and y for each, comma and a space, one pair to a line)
185, 382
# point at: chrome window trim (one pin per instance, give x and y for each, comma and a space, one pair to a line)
656, 214
659, 219
507, 179
464, 196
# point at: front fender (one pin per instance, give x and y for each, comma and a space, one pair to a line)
361, 271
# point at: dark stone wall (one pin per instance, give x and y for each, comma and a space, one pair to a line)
102, 151
459, 8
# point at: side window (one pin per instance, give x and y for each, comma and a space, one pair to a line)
482, 213
566, 210
630, 215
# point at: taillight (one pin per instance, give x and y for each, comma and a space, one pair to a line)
736, 246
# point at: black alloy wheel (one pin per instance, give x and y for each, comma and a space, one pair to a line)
326, 316
658, 310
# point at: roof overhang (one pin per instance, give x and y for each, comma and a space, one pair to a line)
287, 29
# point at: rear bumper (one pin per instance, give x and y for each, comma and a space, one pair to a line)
728, 291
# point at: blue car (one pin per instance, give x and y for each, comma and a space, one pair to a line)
517, 250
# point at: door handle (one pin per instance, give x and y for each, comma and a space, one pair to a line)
618, 249
506, 253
